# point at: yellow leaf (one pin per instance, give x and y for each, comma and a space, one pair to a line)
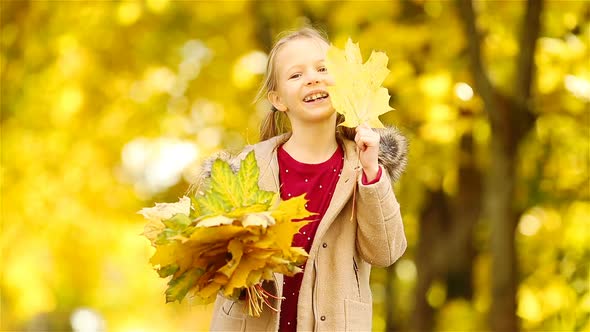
263, 241
204, 295
259, 253
164, 255
357, 93
291, 209
215, 221
254, 277
220, 279
209, 291
283, 232
298, 255
203, 235
240, 276
152, 229
267, 274
284, 266
262, 219
215, 251
238, 212
173, 253
163, 211
235, 248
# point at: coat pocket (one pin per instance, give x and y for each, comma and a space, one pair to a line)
356, 274
229, 317
357, 315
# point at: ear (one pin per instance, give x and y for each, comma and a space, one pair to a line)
275, 100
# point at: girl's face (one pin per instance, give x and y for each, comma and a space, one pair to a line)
301, 81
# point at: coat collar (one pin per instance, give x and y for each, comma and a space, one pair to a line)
266, 157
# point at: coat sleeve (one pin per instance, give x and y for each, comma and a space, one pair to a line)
380, 232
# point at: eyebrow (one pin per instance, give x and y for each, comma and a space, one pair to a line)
299, 65
291, 68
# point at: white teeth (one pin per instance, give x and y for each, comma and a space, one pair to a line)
315, 96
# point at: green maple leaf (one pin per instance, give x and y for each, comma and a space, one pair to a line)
167, 270
175, 226
248, 179
229, 191
222, 195
178, 287
357, 93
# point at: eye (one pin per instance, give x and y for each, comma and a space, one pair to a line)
322, 69
296, 75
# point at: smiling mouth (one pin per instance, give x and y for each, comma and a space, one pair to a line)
315, 97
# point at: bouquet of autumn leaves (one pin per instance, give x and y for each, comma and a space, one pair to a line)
228, 238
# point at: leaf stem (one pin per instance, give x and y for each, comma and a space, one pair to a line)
356, 170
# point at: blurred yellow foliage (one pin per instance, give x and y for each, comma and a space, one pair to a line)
107, 107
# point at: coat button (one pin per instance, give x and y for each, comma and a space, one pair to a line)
325, 245
323, 318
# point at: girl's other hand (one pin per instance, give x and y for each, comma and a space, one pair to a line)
367, 141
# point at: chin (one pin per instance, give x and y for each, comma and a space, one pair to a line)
320, 115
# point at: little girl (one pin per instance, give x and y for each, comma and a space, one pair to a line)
304, 152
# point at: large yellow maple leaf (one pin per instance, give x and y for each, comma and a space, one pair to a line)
357, 93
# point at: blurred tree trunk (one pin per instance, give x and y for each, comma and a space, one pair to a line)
510, 119
430, 256
263, 28
391, 323
445, 246
466, 212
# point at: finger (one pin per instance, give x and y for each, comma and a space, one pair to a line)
362, 126
361, 131
360, 134
363, 143
369, 138
358, 140
360, 137
361, 146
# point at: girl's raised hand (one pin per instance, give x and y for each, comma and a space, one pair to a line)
367, 141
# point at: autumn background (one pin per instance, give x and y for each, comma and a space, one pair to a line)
110, 106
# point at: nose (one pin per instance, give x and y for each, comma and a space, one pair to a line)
313, 78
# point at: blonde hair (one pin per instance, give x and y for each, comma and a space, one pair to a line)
275, 122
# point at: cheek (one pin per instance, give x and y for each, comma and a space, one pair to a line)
329, 79
284, 95
289, 90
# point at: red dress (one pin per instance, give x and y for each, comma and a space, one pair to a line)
318, 182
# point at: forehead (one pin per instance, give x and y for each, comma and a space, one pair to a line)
300, 51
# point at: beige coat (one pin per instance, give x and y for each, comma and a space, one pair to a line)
335, 293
